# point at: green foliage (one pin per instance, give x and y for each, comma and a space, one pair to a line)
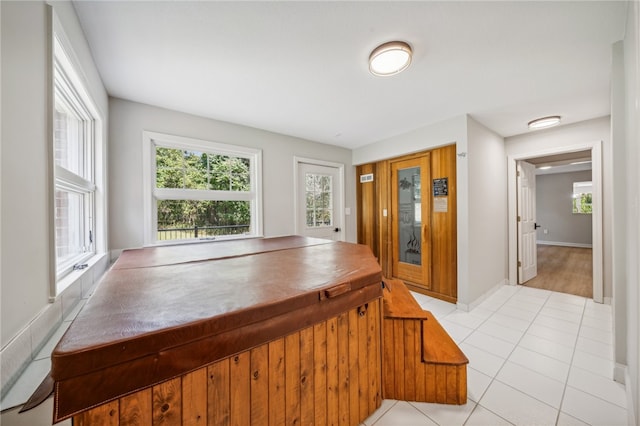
318, 200
181, 169
582, 204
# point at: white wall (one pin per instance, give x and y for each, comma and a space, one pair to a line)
27, 315
568, 137
619, 209
453, 130
25, 165
554, 209
488, 249
129, 119
632, 185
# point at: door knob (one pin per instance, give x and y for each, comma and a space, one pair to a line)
536, 226
336, 230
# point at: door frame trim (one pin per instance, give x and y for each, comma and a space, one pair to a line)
341, 201
597, 218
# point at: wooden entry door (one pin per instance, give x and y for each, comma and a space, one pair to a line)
410, 217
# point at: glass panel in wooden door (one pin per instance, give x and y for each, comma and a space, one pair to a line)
410, 220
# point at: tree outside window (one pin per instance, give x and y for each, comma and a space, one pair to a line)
582, 197
201, 190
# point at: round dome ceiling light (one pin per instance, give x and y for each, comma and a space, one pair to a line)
541, 123
390, 58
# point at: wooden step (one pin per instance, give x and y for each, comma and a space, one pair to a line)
421, 362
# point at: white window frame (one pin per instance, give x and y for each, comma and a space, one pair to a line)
68, 85
151, 194
575, 194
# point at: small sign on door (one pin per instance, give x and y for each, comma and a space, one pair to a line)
441, 187
441, 204
366, 178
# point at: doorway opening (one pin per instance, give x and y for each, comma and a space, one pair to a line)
566, 251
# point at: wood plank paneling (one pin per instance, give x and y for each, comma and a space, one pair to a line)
383, 188
276, 382
167, 403
260, 385
135, 409
320, 372
239, 369
425, 364
398, 357
333, 407
363, 361
194, 398
367, 214
354, 375
374, 319
306, 377
292, 378
327, 374
444, 226
343, 369
441, 231
410, 359
218, 390
104, 415
421, 367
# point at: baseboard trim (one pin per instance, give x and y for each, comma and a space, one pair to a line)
18, 353
563, 244
631, 407
471, 306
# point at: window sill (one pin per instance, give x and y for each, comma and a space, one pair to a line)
63, 283
203, 240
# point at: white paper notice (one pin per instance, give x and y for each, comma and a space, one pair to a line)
440, 204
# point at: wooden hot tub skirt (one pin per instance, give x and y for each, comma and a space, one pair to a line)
329, 373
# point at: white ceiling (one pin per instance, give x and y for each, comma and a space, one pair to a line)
300, 68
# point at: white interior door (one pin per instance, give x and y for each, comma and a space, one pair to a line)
319, 201
527, 254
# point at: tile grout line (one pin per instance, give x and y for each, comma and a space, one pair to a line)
573, 354
493, 378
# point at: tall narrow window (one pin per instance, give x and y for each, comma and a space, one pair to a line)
201, 190
74, 146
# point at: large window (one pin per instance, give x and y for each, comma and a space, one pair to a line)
199, 190
74, 136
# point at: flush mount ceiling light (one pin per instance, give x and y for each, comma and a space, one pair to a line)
541, 123
390, 58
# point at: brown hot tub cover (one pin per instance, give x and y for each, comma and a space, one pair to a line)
164, 311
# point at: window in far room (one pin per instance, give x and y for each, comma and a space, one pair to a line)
200, 190
582, 197
74, 146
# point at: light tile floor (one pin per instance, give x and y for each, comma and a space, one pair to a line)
536, 357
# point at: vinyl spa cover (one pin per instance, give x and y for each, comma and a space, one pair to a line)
164, 311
